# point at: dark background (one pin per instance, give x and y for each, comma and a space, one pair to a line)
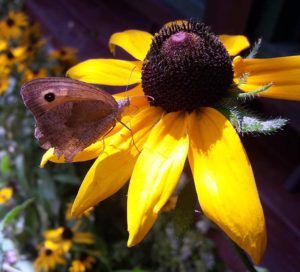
87, 25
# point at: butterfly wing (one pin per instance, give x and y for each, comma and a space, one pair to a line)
69, 114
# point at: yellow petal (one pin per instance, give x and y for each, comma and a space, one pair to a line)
224, 181
156, 174
113, 168
234, 44
135, 42
136, 91
283, 72
107, 72
84, 238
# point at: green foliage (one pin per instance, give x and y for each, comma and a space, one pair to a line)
247, 122
11, 215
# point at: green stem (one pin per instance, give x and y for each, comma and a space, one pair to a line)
244, 258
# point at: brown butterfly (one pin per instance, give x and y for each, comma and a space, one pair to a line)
70, 115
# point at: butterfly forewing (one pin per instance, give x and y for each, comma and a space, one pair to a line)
69, 114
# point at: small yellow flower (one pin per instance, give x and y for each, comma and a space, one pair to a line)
13, 56
65, 237
32, 36
64, 54
187, 71
49, 257
5, 192
11, 26
83, 264
30, 74
65, 58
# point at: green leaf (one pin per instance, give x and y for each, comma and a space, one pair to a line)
12, 214
245, 121
5, 165
255, 125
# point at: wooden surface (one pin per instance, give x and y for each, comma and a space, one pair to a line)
87, 25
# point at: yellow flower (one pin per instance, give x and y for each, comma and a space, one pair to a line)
13, 56
83, 264
5, 192
65, 237
65, 57
64, 54
30, 74
50, 255
186, 70
11, 26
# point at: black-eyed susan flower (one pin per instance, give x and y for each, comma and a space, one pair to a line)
49, 257
65, 58
30, 74
11, 26
65, 237
83, 263
6, 193
13, 56
188, 72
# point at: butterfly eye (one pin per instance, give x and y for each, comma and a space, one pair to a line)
49, 97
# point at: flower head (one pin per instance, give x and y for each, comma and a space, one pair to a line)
50, 255
11, 26
83, 263
65, 237
188, 72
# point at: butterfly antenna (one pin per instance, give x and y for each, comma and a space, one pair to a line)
130, 76
128, 83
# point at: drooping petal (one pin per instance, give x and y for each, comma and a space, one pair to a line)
224, 181
155, 174
107, 72
234, 44
114, 166
135, 42
283, 72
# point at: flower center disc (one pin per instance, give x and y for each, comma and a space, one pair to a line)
186, 67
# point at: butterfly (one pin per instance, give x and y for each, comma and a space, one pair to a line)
70, 114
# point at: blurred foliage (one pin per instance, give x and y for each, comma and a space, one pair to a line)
37, 231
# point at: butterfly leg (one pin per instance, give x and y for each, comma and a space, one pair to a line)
123, 124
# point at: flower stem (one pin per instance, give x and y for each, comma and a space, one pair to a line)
244, 258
